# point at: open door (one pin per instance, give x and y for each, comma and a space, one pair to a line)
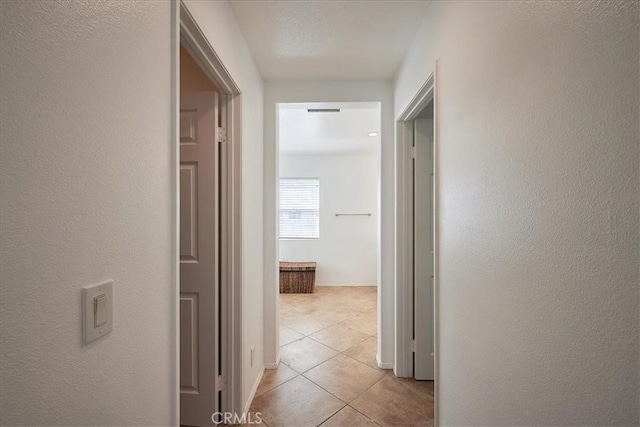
423, 249
199, 259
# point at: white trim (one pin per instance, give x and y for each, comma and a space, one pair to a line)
175, 192
404, 231
273, 365
198, 46
233, 245
271, 248
191, 37
403, 358
254, 389
436, 251
382, 365
419, 101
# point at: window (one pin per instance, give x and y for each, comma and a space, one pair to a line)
299, 208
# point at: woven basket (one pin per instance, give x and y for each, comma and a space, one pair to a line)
297, 277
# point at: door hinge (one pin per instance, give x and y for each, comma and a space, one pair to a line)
222, 135
412, 152
221, 383
412, 345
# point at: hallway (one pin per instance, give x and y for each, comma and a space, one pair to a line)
328, 373
535, 187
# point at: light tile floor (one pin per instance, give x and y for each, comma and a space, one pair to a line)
328, 373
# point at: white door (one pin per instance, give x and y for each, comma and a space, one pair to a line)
423, 250
199, 258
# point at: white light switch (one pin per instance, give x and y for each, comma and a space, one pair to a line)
97, 310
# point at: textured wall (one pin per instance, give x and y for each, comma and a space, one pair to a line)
86, 189
538, 111
347, 250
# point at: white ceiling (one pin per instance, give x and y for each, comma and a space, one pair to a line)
329, 40
345, 132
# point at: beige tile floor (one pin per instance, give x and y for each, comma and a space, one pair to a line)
328, 373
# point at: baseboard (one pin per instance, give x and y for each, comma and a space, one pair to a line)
346, 284
273, 365
383, 365
247, 405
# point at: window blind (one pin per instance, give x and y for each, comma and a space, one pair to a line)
299, 208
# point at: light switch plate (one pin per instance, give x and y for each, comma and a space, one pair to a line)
97, 311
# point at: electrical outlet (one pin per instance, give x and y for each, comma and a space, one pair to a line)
253, 355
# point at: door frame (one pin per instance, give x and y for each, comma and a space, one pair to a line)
274, 323
186, 32
403, 358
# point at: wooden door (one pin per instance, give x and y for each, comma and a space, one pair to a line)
199, 258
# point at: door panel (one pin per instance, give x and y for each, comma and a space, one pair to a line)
189, 357
423, 250
199, 258
188, 126
188, 212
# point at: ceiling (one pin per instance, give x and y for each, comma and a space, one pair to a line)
346, 132
329, 40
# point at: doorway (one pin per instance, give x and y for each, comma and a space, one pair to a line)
416, 231
423, 248
201, 366
329, 217
208, 237
328, 198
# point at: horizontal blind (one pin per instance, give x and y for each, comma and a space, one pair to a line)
299, 208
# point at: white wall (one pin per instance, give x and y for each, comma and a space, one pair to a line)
346, 252
218, 23
328, 91
537, 132
86, 195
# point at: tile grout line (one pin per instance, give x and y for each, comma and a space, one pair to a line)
355, 398
331, 416
364, 415
335, 349
338, 352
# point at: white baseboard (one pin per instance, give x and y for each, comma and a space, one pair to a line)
247, 405
383, 365
273, 365
346, 284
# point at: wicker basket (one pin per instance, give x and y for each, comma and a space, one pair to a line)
297, 277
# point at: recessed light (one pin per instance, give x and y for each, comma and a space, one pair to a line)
373, 134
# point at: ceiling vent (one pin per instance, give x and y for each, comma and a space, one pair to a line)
323, 110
